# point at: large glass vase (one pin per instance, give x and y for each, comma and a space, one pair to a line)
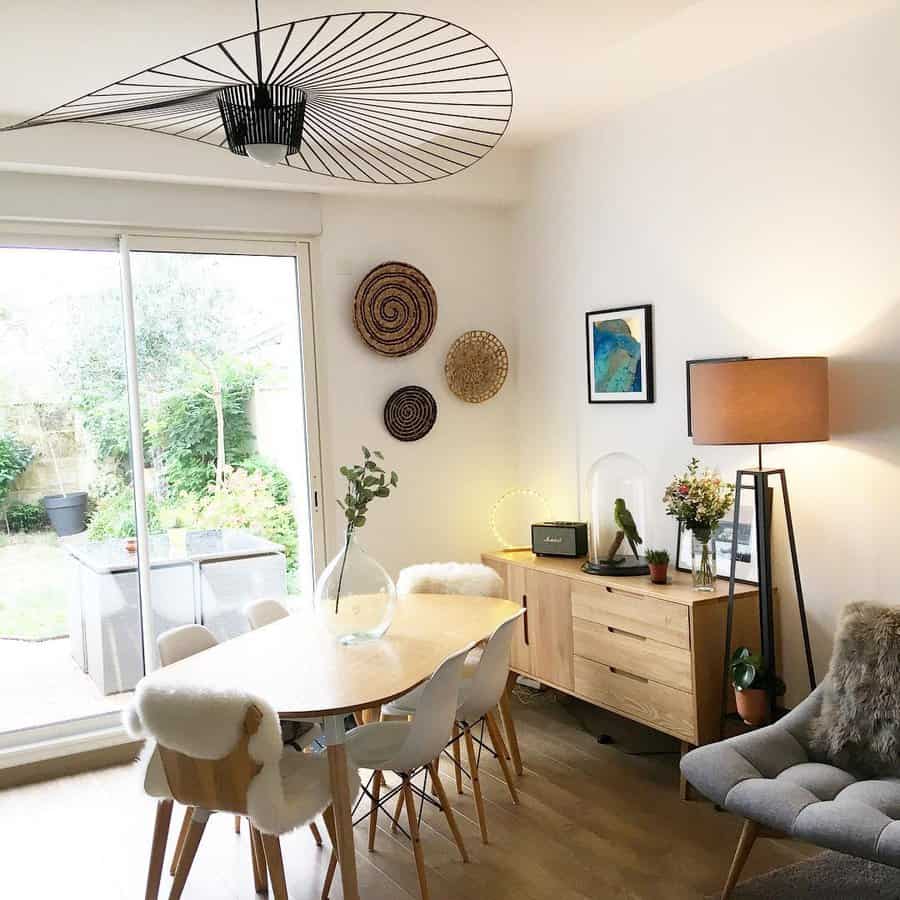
355, 596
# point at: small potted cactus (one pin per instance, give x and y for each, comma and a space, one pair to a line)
658, 561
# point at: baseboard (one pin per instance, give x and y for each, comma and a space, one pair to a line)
71, 764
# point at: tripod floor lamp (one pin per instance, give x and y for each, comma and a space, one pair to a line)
762, 401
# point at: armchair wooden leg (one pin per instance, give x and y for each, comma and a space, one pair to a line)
260, 879
179, 844
188, 852
158, 848
500, 748
317, 835
745, 844
476, 784
272, 846
510, 725
457, 761
418, 853
237, 824
448, 811
373, 815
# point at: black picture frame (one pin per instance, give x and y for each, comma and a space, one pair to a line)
646, 311
747, 502
687, 379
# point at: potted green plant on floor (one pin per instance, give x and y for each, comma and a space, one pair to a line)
658, 561
751, 678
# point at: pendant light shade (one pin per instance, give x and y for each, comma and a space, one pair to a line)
264, 122
374, 97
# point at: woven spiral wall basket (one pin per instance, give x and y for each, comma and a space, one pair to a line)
410, 413
395, 309
476, 366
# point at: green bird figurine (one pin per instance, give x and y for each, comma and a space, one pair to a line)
625, 522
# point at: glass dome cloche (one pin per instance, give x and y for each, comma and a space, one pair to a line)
616, 509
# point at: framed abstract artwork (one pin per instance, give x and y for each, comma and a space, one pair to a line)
687, 379
620, 355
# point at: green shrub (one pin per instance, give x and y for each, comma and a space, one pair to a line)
114, 516
185, 432
27, 517
247, 500
15, 458
279, 485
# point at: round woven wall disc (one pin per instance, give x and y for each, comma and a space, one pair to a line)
410, 413
395, 309
476, 366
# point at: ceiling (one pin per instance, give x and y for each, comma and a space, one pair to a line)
570, 61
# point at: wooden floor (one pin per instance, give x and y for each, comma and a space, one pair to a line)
593, 823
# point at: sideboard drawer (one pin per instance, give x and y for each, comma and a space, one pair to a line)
634, 653
658, 705
635, 613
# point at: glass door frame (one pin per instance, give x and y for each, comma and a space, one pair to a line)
104, 730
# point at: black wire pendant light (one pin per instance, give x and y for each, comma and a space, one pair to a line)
378, 97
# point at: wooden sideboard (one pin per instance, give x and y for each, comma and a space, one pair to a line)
652, 653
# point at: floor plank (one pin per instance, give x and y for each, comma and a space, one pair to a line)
592, 822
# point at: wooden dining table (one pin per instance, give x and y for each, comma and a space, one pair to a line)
304, 673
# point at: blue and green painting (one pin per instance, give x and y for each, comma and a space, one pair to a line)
617, 358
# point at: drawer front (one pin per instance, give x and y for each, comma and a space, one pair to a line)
634, 653
658, 705
635, 613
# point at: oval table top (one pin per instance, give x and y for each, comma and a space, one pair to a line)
303, 672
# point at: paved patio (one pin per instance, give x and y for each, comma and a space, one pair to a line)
42, 684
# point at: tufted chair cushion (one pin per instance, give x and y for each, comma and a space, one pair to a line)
772, 777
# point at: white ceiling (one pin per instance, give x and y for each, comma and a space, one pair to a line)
570, 60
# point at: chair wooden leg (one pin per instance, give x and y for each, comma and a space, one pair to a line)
373, 816
179, 844
749, 834
260, 879
188, 852
457, 761
317, 835
397, 810
274, 861
510, 725
419, 855
500, 748
328, 816
476, 784
237, 824
448, 811
158, 848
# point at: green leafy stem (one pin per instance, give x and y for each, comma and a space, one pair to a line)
365, 483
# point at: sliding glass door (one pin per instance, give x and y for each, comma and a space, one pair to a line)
208, 344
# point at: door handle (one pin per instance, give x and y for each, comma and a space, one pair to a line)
624, 674
628, 634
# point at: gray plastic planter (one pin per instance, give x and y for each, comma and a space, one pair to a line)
66, 512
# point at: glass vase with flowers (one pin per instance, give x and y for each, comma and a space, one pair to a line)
699, 498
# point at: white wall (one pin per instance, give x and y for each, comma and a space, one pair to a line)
450, 479
758, 212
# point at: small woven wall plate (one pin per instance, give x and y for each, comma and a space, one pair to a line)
410, 413
395, 309
476, 366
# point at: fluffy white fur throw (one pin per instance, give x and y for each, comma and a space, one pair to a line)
472, 579
291, 788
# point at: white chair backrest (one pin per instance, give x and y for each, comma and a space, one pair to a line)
264, 612
180, 643
485, 688
470, 579
432, 724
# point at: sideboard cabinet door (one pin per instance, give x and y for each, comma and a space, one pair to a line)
549, 604
520, 654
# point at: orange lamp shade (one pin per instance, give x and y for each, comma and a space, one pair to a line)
760, 401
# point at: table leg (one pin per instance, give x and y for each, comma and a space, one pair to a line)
341, 800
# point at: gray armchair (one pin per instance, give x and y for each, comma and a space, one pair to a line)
770, 778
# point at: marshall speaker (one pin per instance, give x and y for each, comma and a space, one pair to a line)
559, 539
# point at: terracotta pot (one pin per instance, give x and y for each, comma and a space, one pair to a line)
659, 573
131, 545
752, 706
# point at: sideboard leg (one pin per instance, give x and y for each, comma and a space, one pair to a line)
684, 787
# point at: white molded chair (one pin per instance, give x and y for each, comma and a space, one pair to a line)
180, 643
479, 696
467, 579
408, 748
195, 759
299, 733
